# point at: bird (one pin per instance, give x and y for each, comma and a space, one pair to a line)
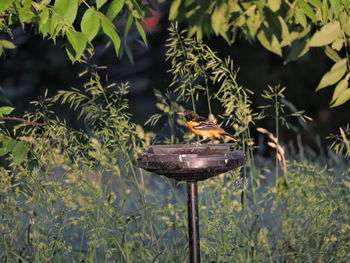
206, 129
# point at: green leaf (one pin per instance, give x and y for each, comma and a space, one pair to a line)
325, 12
67, 8
300, 17
7, 145
141, 32
7, 44
274, 4
114, 8
78, 42
25, 14
110, 30
334, 75
219, 18
343, 97
174, 9
4, 4
269, 41
6, 110
341, 86
316, 3
19, 152
338, 44
128, 25
331, 53
326, 35
308, 11
335, 6
90, 24
346, 27
100, 3
43, 17
44, 23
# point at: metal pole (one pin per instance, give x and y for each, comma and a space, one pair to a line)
193, 226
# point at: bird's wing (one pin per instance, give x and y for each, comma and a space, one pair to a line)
207, 126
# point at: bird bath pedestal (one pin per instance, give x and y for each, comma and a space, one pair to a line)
191, 163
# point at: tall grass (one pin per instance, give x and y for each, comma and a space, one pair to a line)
79, 197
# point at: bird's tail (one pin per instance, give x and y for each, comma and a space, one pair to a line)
231, 137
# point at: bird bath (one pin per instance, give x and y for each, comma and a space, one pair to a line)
191, 163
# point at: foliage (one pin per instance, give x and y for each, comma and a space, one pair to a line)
77, 21
17, 149
284, 27
78, 196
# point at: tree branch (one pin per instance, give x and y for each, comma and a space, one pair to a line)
24, 121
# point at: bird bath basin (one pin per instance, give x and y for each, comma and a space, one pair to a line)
191, 163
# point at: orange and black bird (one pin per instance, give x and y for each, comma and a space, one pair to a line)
205, 128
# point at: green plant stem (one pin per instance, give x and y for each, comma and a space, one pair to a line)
277, 136
207, 92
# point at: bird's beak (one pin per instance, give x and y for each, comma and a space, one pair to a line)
181, 113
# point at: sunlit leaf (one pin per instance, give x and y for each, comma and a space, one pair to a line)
300, 17
335, 6
25, 14
341, 86
78, 41
338, 44
67, 8
308, 11
326, 35
342, 98
5, 110
7, 44
325, 11
110, 30
346, 27
100, 3
218, 18
174, 9
90, 24
4, 4
331, 53
334, 75
114, 8
274, 4
315, 3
